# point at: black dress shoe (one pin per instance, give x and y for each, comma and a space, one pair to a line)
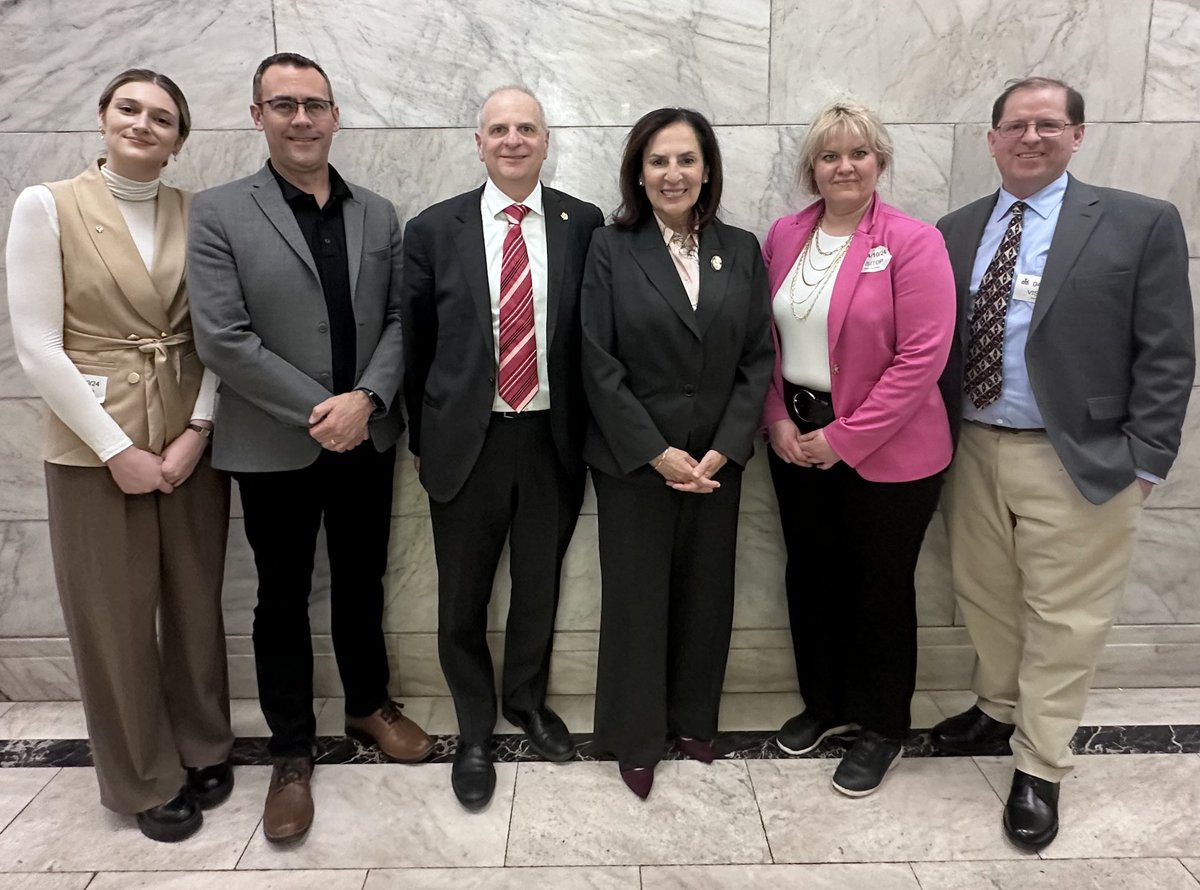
473, 777
972, 733
802, 733
547, 733
1031, 814
210, 785
175, 820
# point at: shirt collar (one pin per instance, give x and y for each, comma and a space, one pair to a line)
1041, 202
495, 200
687, 242
338, 189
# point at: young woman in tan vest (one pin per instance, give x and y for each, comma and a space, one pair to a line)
138, 517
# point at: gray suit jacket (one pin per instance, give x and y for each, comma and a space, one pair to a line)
262, 326
1110, 352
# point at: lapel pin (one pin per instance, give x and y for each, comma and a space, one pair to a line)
564, 215
100, 229
716, 263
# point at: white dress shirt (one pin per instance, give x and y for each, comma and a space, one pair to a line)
533, 228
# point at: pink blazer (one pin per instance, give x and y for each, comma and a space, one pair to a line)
889, 336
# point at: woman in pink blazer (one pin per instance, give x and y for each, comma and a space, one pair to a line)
864, 311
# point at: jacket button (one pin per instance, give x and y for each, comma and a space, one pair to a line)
689, 390
133, 337
322, 327
133, 377
835, 369
491, 380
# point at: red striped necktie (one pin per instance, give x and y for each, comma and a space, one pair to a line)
518, 348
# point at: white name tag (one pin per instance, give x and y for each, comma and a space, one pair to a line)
877, 259
99, 386
1025, 288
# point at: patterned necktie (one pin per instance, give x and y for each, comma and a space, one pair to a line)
985, 354
518, 349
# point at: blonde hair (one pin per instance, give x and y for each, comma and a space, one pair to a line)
835, 120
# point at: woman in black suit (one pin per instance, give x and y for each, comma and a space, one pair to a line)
677, 356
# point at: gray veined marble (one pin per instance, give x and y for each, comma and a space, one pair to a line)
429, 64
1173, 61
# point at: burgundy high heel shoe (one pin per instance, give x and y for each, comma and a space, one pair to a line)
696, 749
639, 779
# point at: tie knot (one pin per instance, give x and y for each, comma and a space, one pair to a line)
1018, 209
515, 213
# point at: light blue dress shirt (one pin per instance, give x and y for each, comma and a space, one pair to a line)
1016, 406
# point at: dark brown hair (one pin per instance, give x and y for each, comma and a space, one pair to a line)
145, 75
291, 60
635, 204
1074, 97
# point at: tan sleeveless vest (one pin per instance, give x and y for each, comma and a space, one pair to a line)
123, 322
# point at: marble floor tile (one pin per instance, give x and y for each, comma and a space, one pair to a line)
66, 829
247, 718
927, 809
392, 816
613, 878
43, 720
1193, 866
582, 814
952, 701
774, 877
18, 786
1038, 874
350, 879
59, 881
1142, 707
1120, 805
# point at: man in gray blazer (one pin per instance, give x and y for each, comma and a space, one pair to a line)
1076, 365
294, 281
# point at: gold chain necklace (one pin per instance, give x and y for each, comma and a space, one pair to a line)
817, 240
806, 304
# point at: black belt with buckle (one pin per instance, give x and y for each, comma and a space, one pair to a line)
808, 407
996, 428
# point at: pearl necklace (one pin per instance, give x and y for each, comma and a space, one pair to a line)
802, 308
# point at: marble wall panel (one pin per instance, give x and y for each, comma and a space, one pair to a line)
430, 64
28, 595
1173, 61
21, 476
1113, 155
1162, 585
935, 62
59, 57
1182, 487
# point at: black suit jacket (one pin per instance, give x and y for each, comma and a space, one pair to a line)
1110, 351
659, 373
450, 362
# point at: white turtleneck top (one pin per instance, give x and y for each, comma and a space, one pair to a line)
35, 301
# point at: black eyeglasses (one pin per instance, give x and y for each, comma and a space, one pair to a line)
286, 106
1047, 128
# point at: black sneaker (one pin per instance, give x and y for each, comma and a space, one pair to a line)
866, 763
804, 732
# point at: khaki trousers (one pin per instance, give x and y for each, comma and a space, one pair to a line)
139, 578
1039, 572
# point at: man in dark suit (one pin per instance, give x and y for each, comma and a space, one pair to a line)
294, 282
496, 420
1076, 331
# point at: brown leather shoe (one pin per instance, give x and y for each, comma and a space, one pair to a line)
397, 736
288, 813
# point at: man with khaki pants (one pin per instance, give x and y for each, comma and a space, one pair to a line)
1077, 362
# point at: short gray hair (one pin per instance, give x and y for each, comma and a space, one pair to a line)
514, 87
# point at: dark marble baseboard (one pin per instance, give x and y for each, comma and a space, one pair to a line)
750, 745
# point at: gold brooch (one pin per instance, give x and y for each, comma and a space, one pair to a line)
716, 263
564, 215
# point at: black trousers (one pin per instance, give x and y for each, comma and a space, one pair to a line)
352, 493
518, 490
667, 566
852, 548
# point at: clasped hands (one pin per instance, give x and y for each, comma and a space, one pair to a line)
802, 449
137, 471
340, 422
684, 473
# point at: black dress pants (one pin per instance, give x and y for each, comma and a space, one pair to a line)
852, 548
518, 491
667, 568
352, 493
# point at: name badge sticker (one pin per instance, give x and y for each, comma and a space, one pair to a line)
99, 386
877, 259
1025, 288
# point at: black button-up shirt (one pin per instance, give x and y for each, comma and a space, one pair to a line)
325, 232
